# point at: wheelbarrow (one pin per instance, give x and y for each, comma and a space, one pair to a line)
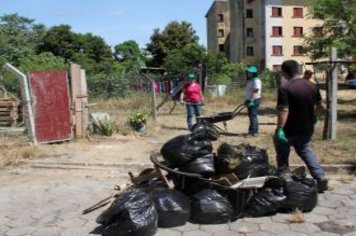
226, 181
221, 117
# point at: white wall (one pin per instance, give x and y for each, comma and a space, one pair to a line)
270, 41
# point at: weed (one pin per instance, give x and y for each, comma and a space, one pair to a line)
297, 217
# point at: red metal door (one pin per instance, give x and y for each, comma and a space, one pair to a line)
51, 105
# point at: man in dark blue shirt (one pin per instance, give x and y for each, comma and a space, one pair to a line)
298, 104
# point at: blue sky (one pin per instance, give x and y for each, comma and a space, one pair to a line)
114, 20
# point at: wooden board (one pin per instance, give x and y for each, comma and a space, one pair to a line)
51, 107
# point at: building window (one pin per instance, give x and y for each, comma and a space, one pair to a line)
277, 51
249, 51
249, 13
298, 12
276, 11
298, 32
221, 48
277, 31
249, 32
318, 31
220, 17
220, 33
298, 50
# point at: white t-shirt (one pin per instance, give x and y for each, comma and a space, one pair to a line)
252, 85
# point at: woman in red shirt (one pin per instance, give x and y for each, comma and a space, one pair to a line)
192, 97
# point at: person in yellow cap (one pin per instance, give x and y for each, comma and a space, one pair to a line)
253, 99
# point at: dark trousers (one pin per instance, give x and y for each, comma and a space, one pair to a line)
253, 116
301, 144
192, 109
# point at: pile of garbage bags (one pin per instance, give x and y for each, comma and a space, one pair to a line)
139, 210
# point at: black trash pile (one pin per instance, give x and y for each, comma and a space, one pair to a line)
140, 209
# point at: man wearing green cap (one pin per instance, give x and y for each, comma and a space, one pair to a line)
253, 99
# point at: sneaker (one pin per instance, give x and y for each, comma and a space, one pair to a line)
250, 135
322, 185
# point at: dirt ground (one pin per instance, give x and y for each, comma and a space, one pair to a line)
128, 147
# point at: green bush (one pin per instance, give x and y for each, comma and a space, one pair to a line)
269, 78
219, 78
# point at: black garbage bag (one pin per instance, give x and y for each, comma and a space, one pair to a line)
202, 165
227, 159
238, 200
210, 207
131, 214
266, 201
253, 162
173, 207
183, 149
205, 131
272, 170
302, 193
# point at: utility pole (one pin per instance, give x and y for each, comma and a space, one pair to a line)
332, 96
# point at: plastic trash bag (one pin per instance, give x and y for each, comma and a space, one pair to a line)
253, 162
205, 131
131, 214
227, 159
302, 193
210, 207
202, 165
238, 200
183, 149
173, 207
266, 201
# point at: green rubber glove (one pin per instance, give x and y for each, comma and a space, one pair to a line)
281, 136
250, 103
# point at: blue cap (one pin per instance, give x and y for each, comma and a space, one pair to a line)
191, 75
251, 69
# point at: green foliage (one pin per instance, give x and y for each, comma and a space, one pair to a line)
174, 36
218, 78
19, 37
184, 59
339, 28
102, 84
43, 61
108, 127
138, 119
129, 55
269, 78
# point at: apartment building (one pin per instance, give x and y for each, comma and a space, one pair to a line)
267, 32
218, 27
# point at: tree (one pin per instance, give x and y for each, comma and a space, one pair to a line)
338, 29
43, 61
175, 35
61, 41
129, 55
191, 56
19, 37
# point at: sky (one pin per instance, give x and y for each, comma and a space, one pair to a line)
114, 20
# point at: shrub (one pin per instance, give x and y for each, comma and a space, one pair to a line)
138, 119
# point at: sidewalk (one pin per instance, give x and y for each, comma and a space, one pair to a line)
49, 202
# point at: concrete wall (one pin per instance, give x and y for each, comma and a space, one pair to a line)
236, 30
218, 7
